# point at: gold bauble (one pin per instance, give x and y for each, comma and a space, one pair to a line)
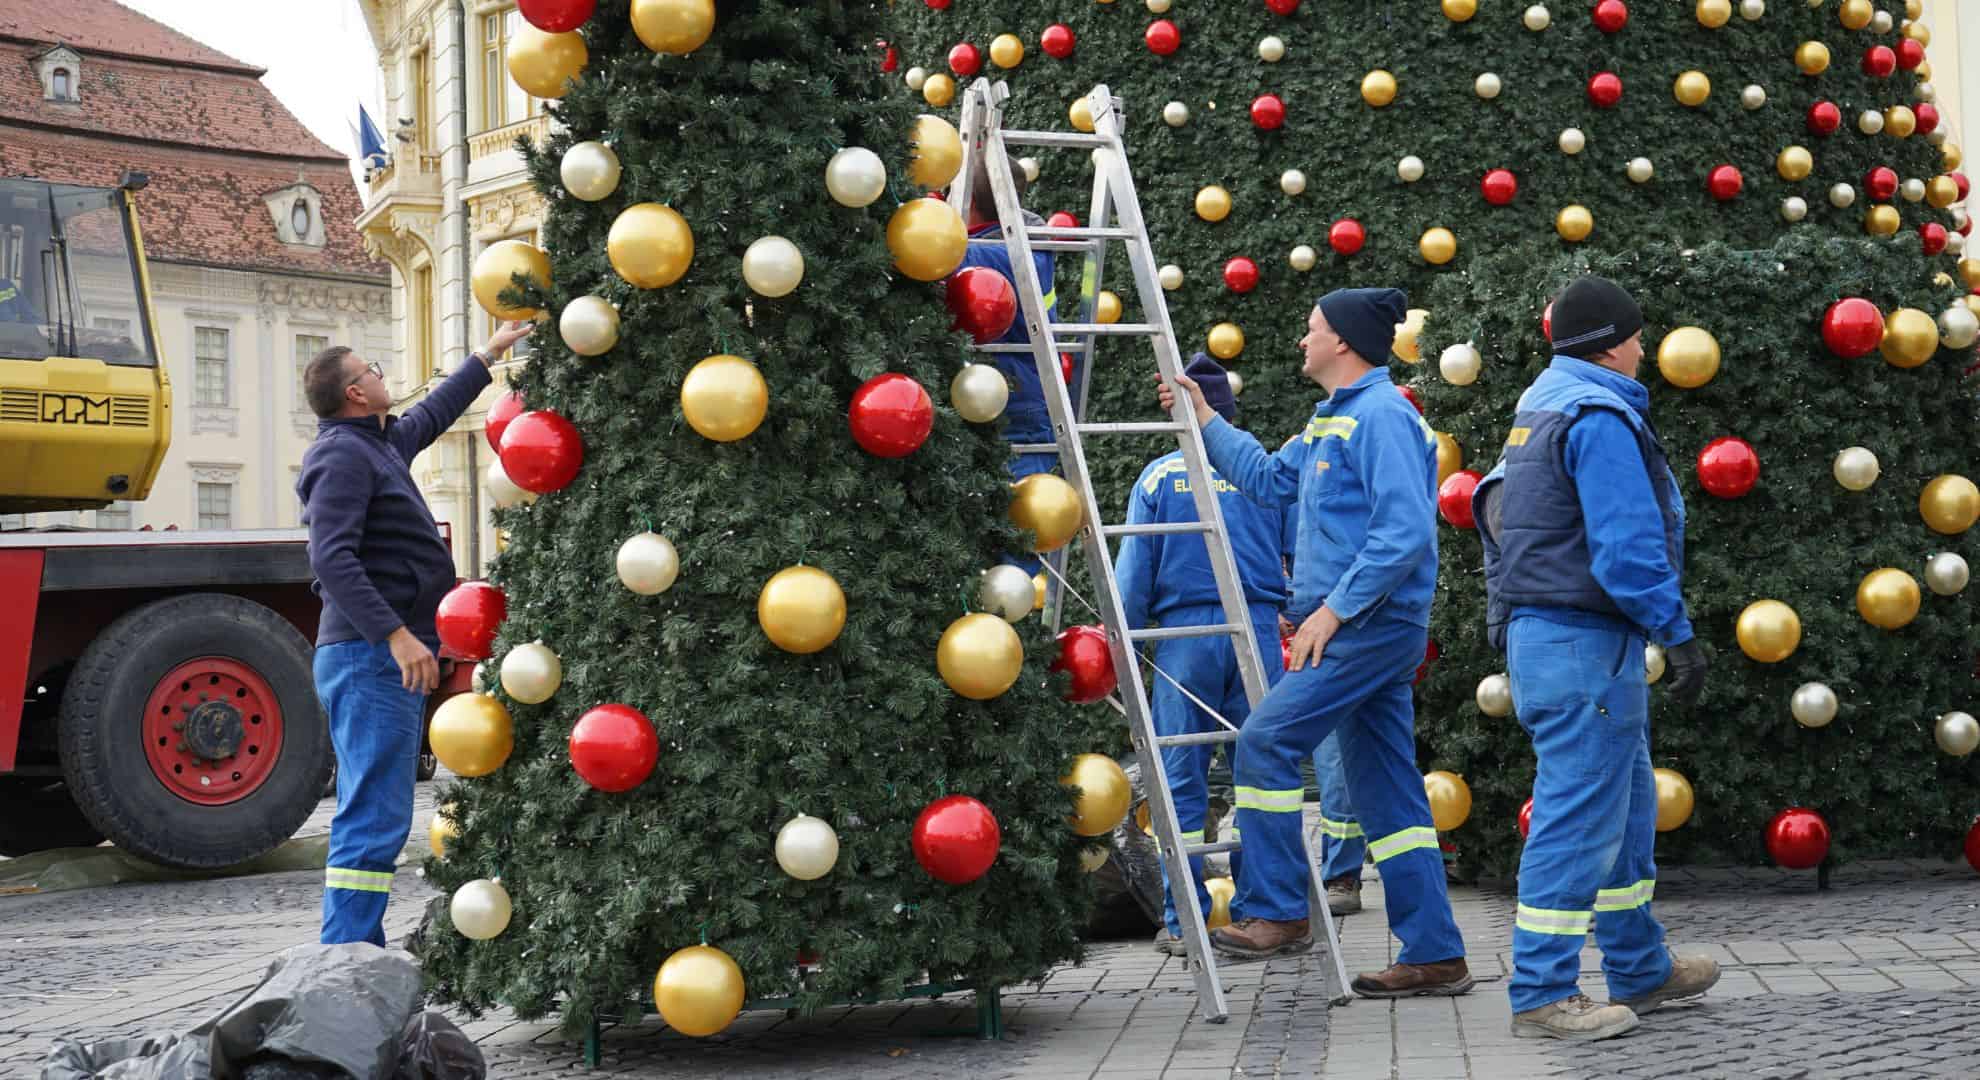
1226, 341
1081, 114
1887, 598
650, 245
1952, 157
1881, 220
1941, 192
1213, 203
440, 829
1378, 88
1049, 507
1106, 307
1038, 591
1461, 10
1688, 357
939, 90
1574, 223
1104, 794
1969, 268
724, 398
494, 271
801, 609
1450, 799
699, 990
936, 156
1910, 338
1713, 14
1408, 343
1006, 51
1914, 8
979, 656
1223, 889
1675, 799
1949, 504
1919, 32
1855, 14
471, 734
928, 239
1900, 121
1438, 246
1924, 71
1450, 458
1768, 631
544, 64
1691, 88
1794, 163
1812, 57
677, 27
1093, 857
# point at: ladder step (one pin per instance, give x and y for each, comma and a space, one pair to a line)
1078, 232
1197, 738
1062, 245
1193, 850
1057, 346
1165, 633
1168, 428
1159, 528
1074, 139
1035, 448
1119, 329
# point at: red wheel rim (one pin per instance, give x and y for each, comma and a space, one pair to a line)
212, 730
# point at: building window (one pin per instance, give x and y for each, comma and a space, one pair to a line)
419, 327
109, 325
307, 346
62, 85
115, 516
299, 219
502, 101
216, 506
422, 101
210, 366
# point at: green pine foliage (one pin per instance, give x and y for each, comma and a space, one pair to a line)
1758, 283
864, 734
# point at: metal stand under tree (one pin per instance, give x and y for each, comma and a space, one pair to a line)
1115, 216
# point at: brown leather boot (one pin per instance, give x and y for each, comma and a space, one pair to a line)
1259, 939
1691, 975
1445, 978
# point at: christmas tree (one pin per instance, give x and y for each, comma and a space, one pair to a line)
1773, 184
745, 521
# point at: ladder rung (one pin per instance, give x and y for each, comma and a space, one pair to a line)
1199, 738
1053, 138
1168, 428
1062, 245
1165, 633
1077, 232
1035, 448
1159, 528
1193, 850
1057, 346
1119, 329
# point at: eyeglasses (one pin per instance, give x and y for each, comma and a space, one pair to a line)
369, 369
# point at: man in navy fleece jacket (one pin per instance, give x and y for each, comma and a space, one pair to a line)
381, 569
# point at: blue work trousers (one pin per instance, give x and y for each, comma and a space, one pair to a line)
374, 727
1343, 846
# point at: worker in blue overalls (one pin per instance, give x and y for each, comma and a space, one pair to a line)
1362, 585
1167, 579
1583, 528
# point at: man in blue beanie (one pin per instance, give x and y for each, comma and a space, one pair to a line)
1583, 529
1365, 484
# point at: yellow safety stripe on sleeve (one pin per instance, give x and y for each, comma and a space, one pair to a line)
1193, 837
337, 877
1271, 802
1394, 844
1340, 830
1429, 433
1156, 475
1336, 427
1627, 897
1543, 921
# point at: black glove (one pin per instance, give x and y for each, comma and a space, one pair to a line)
1687, 665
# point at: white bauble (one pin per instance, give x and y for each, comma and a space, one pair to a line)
1753, 96
1494, 695
1459, 364
1925, 92
855, 177
1841, 196
1410, 169
1751, 10
1946, 573
1654, 662
590, 170
1913, 189
1170, 276
1572, 140
589, 326
1237, 383
1958, 326
979, 393
1640, 170
1955, 245
1536, 17
1870, 121
1271, 49
481, 909
1813, 705
1794, 208
1175, 114
773, 266
1881, 22
808, 848
1855, 468
915, 78
1030, 167
1158, 7
648, 564
1303, 257
1006, 592
532, 673
1957, 733
1487, 86
1292, 182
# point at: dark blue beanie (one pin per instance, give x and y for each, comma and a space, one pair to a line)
1366, 319
1209, 376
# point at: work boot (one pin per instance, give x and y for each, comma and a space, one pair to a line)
1169, 944
1445, 978
1344, 895
1575, 1018
1690, 977
1259, 939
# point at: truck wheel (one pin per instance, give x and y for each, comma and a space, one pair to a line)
36, 814
191, 734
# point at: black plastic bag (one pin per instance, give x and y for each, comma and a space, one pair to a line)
432, 1048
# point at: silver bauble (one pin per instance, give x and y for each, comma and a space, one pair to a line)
1494, 695
532, 673
1006, 591
648, 564
855, 177
1946, 573
1957, 733
807, 848
590, 171
589, 326
1813, 705
480, 909
979, 393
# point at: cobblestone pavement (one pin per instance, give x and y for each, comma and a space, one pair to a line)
1879, 976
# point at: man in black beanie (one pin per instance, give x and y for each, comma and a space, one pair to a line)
1583, 529
1364, 478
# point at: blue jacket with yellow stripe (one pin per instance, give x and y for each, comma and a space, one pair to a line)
1364, 475
1158, 574
1030, 421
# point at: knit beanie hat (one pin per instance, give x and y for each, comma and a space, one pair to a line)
1366, 319
1215, 384
1592, 315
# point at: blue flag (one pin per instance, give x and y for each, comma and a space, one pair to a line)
371, 145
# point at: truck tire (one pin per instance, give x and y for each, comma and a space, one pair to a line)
37, 814
190, 732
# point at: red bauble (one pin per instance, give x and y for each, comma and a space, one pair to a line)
1346, 236
1084, 653
506, 408
556, 16
1058, 41
1430, 654
1065, 368
1725, 183
1240, 275
1972, 834
938, 5
965, 60
468, 618
1881, 183
890, 415
1526, 817
1282, 7
1499, 186
1062, 219
983, 303
1798, 838
1268, 112
890, 60
1454, 497
1605, 89
1162, 37
1928, 117
1910, 54
1547, 322
541, 451
1879, 61
1728, 467
1852, 327
956, 839
1824, 118
1285, 653
1414, 399
1960, 185
614, 747
1932, 237
1610, 15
